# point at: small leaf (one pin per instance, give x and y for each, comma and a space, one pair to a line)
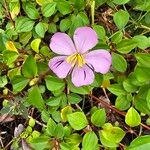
24, 24
29, 68
79, 123
121, 18
35, 98
3, 81
35, 45
143, 59
48, 9
19, 83
64, 7
142, 41
123, 102
54, 83
10, 46
117, 89
132, 117
111, 136
90, 141
30, 10
100, 32
126, 45
65, 111
118, 62
74, 98
41, 28
98, 118
59, 131
51, 126
140, 143
65, 24
117, 37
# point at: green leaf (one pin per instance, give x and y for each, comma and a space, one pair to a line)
121, 18
142, 74
35, 98
3, 81
98, 118
64, 7
117, 89
140, 143
90, 141
54, 101
79, 4
40, 143
100, 32
118, 62
65, 24
54, 83
35, 45
126, 45
142, 41
117, 37
111, 136
19, 83
123, 102
10, 57
51, 126
132, 117
74, 98
121, 2
148, 98
48, 9
30, 10
29, 68
129, 86
24, 24
59, 131
143, 59
79, 123
41, 28
52, 28
140, 99
65, 111
25, 37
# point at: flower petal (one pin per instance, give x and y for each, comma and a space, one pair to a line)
100, 60
82, 76
62, 44
85, 38
59, 66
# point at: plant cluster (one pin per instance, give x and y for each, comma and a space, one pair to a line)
45, 109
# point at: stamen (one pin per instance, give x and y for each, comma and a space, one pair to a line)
76, 59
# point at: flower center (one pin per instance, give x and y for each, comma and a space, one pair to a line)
76, 59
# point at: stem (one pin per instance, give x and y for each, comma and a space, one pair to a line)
8, 12
93, 11
116, 110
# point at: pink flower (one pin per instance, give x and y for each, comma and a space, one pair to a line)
75, 57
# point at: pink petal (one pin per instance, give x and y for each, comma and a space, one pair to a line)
82, 76
59, 66
62, 44
85, 38
100, 60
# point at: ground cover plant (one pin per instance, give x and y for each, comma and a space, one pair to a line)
74, 74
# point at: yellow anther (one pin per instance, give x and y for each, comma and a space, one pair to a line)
76, 59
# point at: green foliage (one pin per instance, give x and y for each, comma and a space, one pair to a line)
121, 18
79, 123
132, 118
55, 113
